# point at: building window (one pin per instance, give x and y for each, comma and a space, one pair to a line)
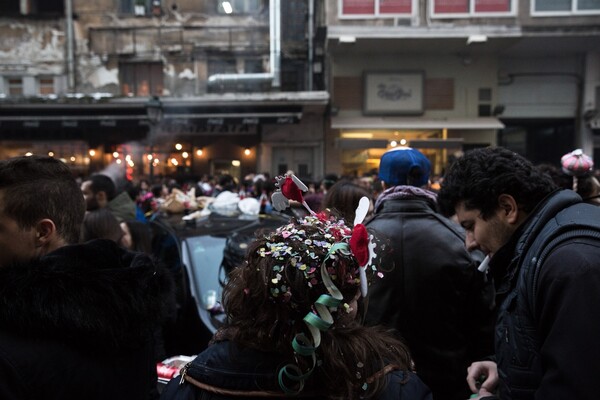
472, 8
222, 66
564, 7
15, 86
31, 7
141, 78
46, 85
140, 8
48, 7
376, 8
239, 6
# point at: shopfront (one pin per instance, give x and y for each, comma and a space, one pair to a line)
183, 137
363, 140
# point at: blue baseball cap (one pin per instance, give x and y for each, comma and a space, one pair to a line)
396, 164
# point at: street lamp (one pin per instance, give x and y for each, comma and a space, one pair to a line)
154, 111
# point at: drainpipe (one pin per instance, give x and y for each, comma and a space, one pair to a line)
274, 75
70, 46
311, 34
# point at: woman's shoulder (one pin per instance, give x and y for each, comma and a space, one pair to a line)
405, 385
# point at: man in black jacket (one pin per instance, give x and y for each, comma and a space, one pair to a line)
433, 294
544, 246
76, 320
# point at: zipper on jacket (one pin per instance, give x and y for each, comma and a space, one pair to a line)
184, 372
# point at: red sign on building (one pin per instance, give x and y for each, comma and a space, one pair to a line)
367, 7
358, 7
485, 6
395, 6
464, 6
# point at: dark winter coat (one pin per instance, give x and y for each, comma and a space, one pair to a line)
225, 369
122, 207
433, 294
78, 324
547, 328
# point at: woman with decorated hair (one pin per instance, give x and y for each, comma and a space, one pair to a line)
294, 326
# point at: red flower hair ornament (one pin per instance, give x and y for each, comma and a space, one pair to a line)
290, 188
361, 245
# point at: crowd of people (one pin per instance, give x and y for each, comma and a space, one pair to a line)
387, 286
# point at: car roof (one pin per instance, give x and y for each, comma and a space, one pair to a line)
220, 225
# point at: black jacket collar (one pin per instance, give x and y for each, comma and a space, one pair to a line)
90, 293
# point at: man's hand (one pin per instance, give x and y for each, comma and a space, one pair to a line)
482, 377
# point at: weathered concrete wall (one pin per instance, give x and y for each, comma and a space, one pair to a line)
31, 49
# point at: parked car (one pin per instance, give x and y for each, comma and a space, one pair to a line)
200, 253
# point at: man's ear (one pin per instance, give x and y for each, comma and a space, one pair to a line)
509, 209
45, 232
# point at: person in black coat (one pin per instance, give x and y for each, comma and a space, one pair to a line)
432, 293
544, 246
76, 320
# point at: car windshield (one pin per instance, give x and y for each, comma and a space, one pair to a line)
206, 254
210, 249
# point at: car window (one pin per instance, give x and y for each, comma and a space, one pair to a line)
205, 254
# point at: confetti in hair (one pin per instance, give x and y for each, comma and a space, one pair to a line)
327, 256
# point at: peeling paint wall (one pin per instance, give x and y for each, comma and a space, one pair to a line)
188, 38
31, 49
180, 39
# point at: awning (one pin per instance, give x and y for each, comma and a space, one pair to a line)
122, 121
415, 123
355, 144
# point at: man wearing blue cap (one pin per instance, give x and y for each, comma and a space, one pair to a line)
433, 294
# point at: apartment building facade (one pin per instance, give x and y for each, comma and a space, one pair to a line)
166, 86
449, 75
313, 86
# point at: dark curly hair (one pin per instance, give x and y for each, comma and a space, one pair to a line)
261, 319
482, 175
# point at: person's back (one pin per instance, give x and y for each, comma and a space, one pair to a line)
76, 320
431, 293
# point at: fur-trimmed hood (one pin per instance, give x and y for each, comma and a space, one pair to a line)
94, 294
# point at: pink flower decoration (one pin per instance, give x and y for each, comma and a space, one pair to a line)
291, 190
359, 244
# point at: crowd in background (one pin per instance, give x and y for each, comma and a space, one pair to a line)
148, 196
